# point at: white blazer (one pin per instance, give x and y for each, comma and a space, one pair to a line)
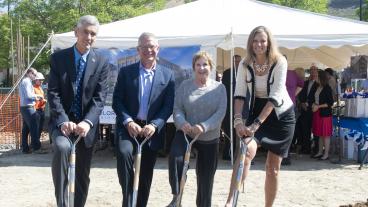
276, 85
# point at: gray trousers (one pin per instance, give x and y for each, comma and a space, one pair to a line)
205, 168
60, 162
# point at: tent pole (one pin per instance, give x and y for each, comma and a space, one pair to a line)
231, 97
25, 71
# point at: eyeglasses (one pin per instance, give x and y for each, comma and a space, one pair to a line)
146, 47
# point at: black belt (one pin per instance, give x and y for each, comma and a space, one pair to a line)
141, 123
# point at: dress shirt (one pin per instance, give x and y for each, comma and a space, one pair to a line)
26, 92
145, 85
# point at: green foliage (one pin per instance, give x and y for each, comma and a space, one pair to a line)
4, 41
319, 6
38, 18
364, 11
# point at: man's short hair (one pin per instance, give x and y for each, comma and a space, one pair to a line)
88, 20
145, 35
31, 70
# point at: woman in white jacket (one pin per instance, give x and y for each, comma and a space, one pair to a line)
262, 74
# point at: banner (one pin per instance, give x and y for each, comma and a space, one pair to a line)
177, 59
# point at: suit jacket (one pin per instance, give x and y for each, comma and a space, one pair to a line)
305, 97
126, 100
325, 97
61, 89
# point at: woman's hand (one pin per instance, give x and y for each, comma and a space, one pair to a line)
186, 128
240, 130
251, 129
315, 107
197, 130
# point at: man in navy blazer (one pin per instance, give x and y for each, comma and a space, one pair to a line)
143, 100
76, 101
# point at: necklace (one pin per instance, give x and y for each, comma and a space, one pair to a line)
260, 68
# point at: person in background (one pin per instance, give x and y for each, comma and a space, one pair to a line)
197, 112
28, 99
294, 85
304, 123
301, 73
226, 122
322, 115
76, 94
143, 100
271, 111
41, 103
332, 82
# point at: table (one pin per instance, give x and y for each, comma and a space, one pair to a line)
358, 124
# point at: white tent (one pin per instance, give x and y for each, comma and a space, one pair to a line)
303, 36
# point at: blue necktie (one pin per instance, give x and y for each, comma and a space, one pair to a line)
77, 102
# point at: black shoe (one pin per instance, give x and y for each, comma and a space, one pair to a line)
286, 161
27, 152
40, 151
321, 158
317, 156
173, 201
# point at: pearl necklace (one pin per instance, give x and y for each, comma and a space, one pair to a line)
260, 68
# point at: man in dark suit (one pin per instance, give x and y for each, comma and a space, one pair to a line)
304, 123
143, 101
76, 93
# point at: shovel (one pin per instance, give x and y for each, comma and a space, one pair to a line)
185, 168
71, 172
137, 167
240, 170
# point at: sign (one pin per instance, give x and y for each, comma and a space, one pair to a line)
107, 115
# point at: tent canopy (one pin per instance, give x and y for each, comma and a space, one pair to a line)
227, 23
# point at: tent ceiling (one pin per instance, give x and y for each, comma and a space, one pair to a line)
227, 24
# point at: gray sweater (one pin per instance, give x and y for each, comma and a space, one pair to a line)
205, 106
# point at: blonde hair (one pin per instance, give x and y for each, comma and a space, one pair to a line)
272, 52
205, 55
300, 72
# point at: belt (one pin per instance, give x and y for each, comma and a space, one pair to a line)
141, 123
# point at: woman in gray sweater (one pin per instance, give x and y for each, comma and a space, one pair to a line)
200, 106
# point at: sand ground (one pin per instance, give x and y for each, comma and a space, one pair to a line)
26, 180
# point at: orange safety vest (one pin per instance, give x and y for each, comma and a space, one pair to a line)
40, 104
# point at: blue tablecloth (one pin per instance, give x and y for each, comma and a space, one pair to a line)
359, 124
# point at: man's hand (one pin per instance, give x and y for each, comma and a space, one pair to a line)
133, 129
82, 129
147, 131
68, 127
186, 128
304, 106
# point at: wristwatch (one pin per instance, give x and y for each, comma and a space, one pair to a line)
257, 121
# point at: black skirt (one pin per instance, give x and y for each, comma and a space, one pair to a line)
277, 129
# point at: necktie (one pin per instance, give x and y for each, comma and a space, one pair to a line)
77, 103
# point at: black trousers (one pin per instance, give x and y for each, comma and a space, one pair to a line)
62, 148
126, 150
205, 168
303, 130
